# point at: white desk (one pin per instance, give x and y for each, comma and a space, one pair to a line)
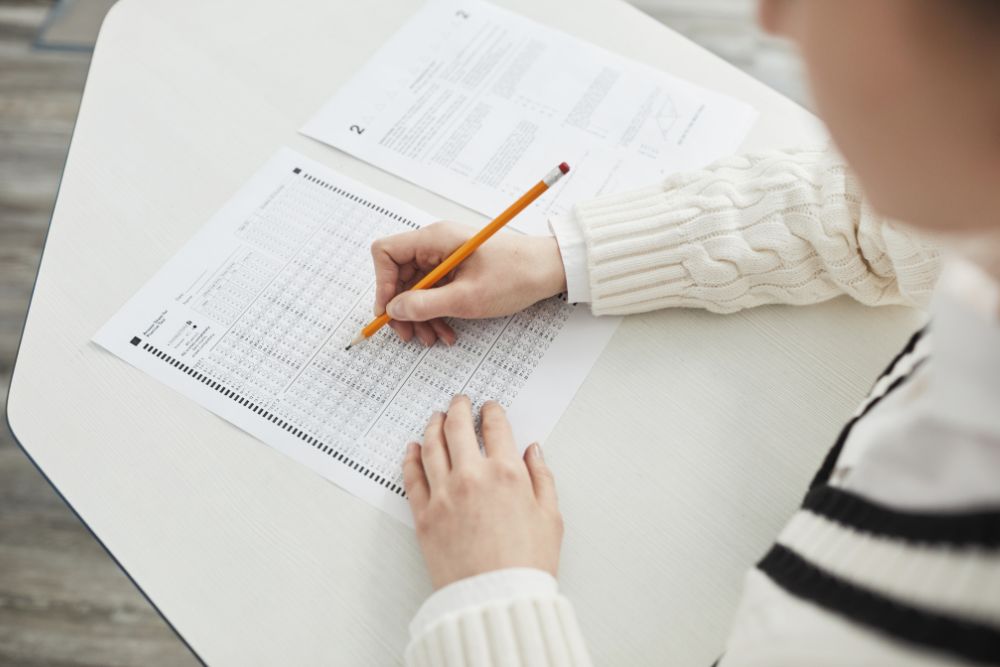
678, 461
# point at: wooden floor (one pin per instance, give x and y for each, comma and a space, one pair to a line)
63, 601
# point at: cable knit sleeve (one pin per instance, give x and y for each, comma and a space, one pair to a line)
777, 227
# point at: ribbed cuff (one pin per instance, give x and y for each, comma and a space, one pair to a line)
507, 617
480, 590
637, 250
573, 249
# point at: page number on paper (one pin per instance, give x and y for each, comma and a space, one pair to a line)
357, 129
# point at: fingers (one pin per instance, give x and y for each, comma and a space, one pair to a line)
498, 439
434, 453
541, 478
443, 331
460, 433
414, 479
388, 254
394, 256
425, 333
407, 277
404, 329
434, 330
453, 299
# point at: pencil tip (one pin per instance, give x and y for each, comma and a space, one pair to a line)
361, 337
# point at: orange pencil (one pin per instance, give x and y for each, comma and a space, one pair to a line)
467, 248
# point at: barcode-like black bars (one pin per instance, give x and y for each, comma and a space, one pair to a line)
274, 419
355, 198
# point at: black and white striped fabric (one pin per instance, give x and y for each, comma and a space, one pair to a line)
892, 584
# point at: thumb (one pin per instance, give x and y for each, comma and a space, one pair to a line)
541, 477
426, 304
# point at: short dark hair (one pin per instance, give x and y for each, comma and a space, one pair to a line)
975, 20
987, 11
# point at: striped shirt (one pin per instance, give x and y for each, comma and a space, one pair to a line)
894, 556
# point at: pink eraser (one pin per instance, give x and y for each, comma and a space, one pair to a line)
564, 168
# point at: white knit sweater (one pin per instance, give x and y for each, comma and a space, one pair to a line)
893, 558
779, 227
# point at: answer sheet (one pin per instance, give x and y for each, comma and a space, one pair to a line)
476, 104
251, 317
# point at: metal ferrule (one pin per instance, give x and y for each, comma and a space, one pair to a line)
552, 177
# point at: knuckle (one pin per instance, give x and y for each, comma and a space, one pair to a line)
465, 483
422, 522
438, 508
508, 472
427, 257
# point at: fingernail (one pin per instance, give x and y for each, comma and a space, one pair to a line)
537, 451
411, 448
393, 310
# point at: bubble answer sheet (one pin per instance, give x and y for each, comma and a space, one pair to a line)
467, 99
250, 319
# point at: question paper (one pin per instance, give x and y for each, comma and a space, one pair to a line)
476, 103
250, 319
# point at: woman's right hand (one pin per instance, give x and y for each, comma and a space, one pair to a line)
508, 273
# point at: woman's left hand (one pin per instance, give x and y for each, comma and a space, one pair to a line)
476, 513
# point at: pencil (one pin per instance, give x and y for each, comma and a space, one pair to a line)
467, 248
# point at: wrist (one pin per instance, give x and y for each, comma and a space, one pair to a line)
551, 273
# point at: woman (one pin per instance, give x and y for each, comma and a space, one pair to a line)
893, 558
